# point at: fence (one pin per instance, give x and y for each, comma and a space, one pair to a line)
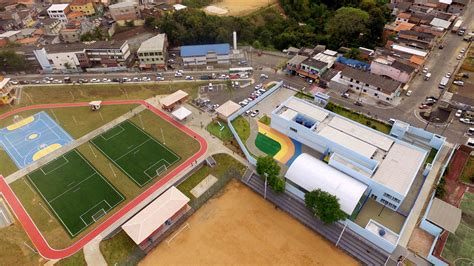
247, 154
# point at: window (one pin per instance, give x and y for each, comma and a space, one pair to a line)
378, 89
365, 90
357, 81
388, 99
350, 85
352, 79
376, 94
294, 130
366, 84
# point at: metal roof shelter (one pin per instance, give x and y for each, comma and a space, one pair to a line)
148, 220
306, 109
181, 113
173, 98
153, 44
348, 141
444, 215
311, 173
227, 109
203, 50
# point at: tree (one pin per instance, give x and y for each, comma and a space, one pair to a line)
348, 27
268, 168
353, 53
324, 206
11, 61
129, 23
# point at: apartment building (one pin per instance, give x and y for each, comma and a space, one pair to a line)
124, 11
153, 52
84, 6
59, 12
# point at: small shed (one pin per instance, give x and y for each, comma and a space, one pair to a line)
156, 218
169, 102
227, 109
181, 113
444, 215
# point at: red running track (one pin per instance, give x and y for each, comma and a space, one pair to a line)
29, 226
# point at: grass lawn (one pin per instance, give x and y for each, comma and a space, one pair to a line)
303, 95
117, 249
364, 120
267, 145
431, 156
468, 171
265, 120
461, 244
71, 181
7, 166
224, 163
220, 130
242, 126
74, 260
135, 152
14, 251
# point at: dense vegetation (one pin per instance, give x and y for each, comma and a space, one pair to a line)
349, 23
10, 61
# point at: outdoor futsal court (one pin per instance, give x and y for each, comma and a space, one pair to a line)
29, 139
137, 154
75, 191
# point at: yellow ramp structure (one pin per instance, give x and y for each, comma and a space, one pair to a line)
287, 147
43, 152
21, 123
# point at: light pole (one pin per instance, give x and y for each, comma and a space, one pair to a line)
266, 181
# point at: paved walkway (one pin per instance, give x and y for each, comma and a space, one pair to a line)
120, 216
251, 140
420, 204
72, 145
92, 253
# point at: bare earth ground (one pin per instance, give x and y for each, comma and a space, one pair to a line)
242, 7
241, 227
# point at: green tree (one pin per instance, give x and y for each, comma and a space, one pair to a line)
20, 6
10, 61
268, 168
348, 27
354, 53
129, 23
324, 206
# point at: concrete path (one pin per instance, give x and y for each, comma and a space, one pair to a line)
423, 196
251, 140
72, 145
92, 253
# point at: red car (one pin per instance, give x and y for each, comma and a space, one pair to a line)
234, 76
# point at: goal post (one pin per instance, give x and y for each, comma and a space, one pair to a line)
96, 216
160, 170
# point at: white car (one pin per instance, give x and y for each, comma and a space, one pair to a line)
160, 78
244, 102
248, 112
459, 82
188, 78
465, 120
425, 70
263, 76
463, 50
448, 75
178, 75
146, 79
210, 87
459, 57
14, 82
255, 113
458, 113
408, 93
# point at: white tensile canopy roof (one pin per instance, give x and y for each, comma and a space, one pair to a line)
181, 113
311, 173
143, 224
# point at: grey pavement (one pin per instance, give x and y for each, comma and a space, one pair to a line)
251, 140
92, 253
72, 145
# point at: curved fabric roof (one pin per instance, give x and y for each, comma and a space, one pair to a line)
311, 173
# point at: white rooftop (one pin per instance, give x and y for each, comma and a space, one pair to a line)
178, 7
361, 132
400, 167
58, 7
181, 113
306, 109
143, 224
153, 44
348, 190
4, 82
348, 141
122, 4
409, 50
9, 33
441, 23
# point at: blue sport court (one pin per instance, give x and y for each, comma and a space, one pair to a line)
31, 138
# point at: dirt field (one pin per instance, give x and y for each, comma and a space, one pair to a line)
241, 7
240, 227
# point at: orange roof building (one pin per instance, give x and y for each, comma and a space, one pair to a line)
404, 26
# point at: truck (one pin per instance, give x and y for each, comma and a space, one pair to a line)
443, 83
456, 26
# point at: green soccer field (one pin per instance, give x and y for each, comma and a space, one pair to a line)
267, 145
137, 154
75, 191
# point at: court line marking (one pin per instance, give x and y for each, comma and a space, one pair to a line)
56, 168
116, 134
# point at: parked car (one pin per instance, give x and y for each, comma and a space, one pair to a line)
423, 106
448, 75
408, 93
459, 57
470, 142
255, 113
345, 95
391, 121
178, 74
160, 78
458, 113
188, 78
465, 120
358, 103
425, 70
14, 82
263, 76
470, 131
210, 87
463, 50
459, 82
248, 112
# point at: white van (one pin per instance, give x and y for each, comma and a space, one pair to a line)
470, 131
470, 142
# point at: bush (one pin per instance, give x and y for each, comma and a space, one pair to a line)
368, 123
440, 190
471, 179
268, 167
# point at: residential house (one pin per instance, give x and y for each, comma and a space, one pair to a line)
70, 35
7, 25
87, 7
312, 68
458, 6
11, 36
402, 17
440, 23
124, 11
295, 63
26, 18
205, 54
392, 68
7, 91
75, 16
375, 86
52, 27
59, 11
416, 39
153, 52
